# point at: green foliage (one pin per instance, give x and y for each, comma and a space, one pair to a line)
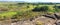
51, 9
20, 3
44, 8
27, 6
25, 10
7, 15
57, 8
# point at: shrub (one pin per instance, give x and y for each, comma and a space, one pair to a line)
51, 9
7, 15
44, 8
27, 6
57, 8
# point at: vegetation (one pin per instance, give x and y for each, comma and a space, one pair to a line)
26, 10
44, 8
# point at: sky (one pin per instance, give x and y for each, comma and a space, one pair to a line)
35, 0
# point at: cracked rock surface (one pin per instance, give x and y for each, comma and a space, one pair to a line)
39, 20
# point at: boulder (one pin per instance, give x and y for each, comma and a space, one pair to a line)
50, 16
57, 22
57, 15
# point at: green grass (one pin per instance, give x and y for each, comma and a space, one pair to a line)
8, 13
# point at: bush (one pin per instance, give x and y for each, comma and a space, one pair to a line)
17, 15
57, 8
27, 6
44, 8
51, 9
7, 15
